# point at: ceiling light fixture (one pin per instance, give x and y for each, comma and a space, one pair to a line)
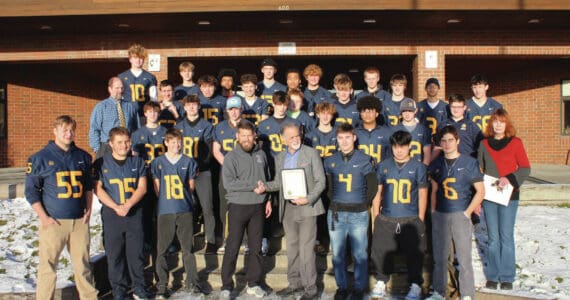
534, 21
203, 23
285, 21
453, 21
369, 21
123, 25
45, 27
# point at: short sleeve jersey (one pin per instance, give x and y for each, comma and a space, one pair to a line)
347, 113
374, 143
480, 115
167, 119
454, 180
196, 141
266, 92
432, 117
149, 142
174, 194
421, 137
254, 112
400, 187
349, 177
213, 108
136, 88
182, 91
380, 94
269, 132
119, 181
469, 134
312, 98
392, 111
324, 143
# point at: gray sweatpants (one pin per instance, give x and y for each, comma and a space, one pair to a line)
457, 227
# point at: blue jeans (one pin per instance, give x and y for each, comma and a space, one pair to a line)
500, 229
353, 225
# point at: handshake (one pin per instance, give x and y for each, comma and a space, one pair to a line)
260, 189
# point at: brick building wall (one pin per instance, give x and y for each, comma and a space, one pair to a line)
40, 88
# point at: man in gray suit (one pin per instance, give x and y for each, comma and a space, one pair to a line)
299, 216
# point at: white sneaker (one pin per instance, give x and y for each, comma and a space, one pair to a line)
256, 291
415, 292
225, 295
435, 296
264, 247
379, 290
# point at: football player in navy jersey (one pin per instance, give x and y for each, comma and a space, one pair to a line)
120, 184
314, 93
59, 189
373, 86
268, 86
346, 111
293, 79
323, 137
188, 87
398, 84
480, 106
226, 78
197, 138
432, 111
212, 104
174, 177
398, 211
295, 112
452, 203
420, 148
353, 185
170, 111
373, 139
140, 85
255, 109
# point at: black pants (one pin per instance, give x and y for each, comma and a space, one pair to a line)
243, 217
398, 236
180, 225
124, 243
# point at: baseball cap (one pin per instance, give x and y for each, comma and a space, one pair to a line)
232, 102
434, 81
268, 62
408, 105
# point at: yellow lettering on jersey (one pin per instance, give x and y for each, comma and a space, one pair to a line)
340, 120
210, 115
255, 118
347, 180
374, 151
415, 149
69, 180
190, 146
276, 145
448, 191
432, 124
268, 98
228, 144
174, 187
482, 121
137, 92
125, 186
402, 190
325, 151
393, 120
165, 122
153, 151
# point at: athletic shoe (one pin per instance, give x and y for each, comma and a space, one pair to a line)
140, 294
340, 294
256, 291
225, 295
506, 286
264, 247
415, 292
379, 290
210, 248
435, 296
161, 295
357, 295
491, 285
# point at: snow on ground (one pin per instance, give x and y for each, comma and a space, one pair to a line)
541, 237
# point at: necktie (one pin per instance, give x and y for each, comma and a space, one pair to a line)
121, 115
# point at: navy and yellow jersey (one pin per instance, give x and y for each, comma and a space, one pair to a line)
225, 135
470, 135
374, 143
454, 180
480, 115
400, 187
182, 91
58, 180
136, 89
307, 123
312, 98
266, 92
432, 117
347, 113
167, 119
149, 142
269, 132
421, 137
174, 195
349, 178
391, 111
213, 108
380, 94
325, 143
197, 138
120, 181
254, 112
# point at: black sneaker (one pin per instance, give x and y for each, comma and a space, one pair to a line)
210, 248
199, 288
506, 286
141, 294
491, 285
357, 295
341, 294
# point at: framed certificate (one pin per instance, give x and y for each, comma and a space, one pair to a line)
293, 183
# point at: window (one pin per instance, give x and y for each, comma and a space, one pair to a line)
3, 110
566, 107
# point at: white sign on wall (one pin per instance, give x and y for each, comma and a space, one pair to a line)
287, 48
431, 59
154, 62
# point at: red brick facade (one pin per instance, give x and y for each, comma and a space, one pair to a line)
42, 84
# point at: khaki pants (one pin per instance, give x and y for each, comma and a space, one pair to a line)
75, 235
